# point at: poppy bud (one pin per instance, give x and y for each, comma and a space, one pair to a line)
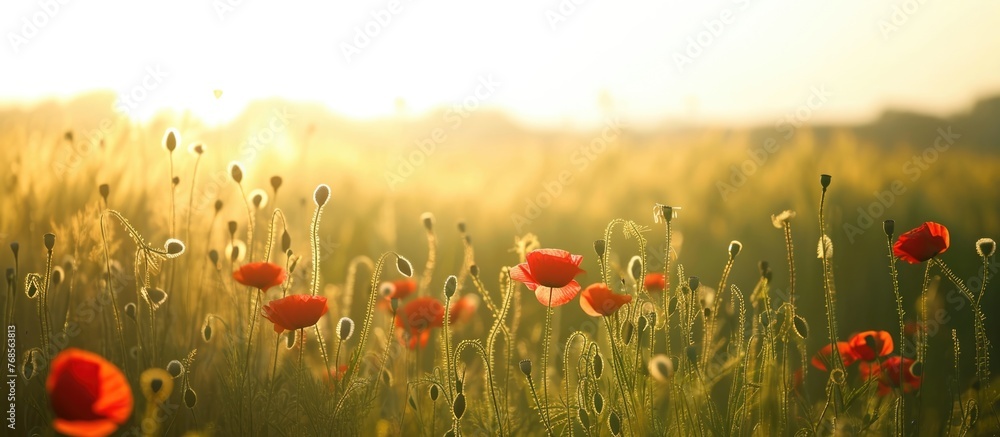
175, 368
838, 377
275, 183
428, 220
236, 171
156, 384
450, 433
986, 247
598, 402
30, 364
10, 277
734, 249
672, 305
196, 148
50, 241
525, 366
286, 241
290, 340
232, 227
615, 423
345, 328
206, 329
599, 246
474, 270
190, 398
434, 392
176, 180
130, 310
458, 385
642, 323
597, 365
15, 247
218, 206
661, 367
394, 303
258, 198
321, 195
694, 283
461, 227
450, 285
404, 266
105, 190
692, 353
824, 180
413, 403
627, 330
889, 226
174, 247
170, 140
154, 297
824, 249
213, 255
801, 327
57, 276
917, 368
31, 289
584, 419
635, 268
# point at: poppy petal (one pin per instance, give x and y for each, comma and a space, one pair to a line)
559, 296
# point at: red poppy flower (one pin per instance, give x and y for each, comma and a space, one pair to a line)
399, 289
922, 243
598, 300
260, 275
549, 273
295, 312
463, 309
822, 358
890, 377
90, 396
655, 282
418, 317
869, 345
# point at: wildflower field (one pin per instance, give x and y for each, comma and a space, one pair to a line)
292, 273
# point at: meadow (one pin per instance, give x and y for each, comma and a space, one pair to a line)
294, 273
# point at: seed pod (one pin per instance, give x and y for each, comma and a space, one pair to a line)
597, 365
275, 183
824, 180
286, 241
598, 402
345, 328
525, 366
50, 241
404, 266
801, 327
321, 195
130, 310
694, 283
599, 247
105, 190
459, 407
190, 398
175, 368
615, 423
450, 285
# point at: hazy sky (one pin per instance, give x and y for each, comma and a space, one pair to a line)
545, 61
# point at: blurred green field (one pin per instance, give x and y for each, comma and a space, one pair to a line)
503, 180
